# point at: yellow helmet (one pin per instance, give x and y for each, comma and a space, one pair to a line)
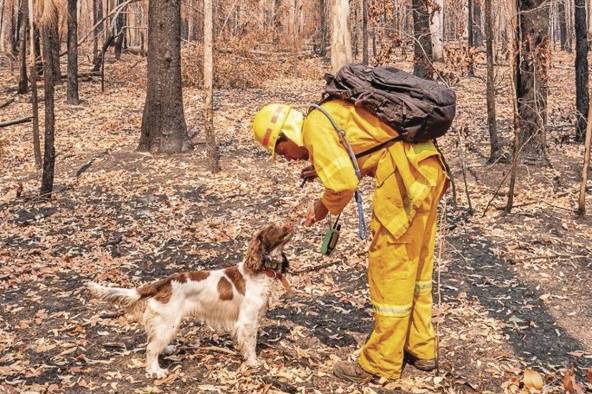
274, 120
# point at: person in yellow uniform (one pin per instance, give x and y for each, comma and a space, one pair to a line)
410, 180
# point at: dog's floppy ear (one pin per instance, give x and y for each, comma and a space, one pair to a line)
254, 257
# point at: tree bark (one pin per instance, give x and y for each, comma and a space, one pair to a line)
341, 53
494, 143
477, 27
118, 43
365, 31
436, 29
212, 147
55, 53
584, 180
422, 59
97, 16
34, 72
562, 24
163, 124
72, 89
49, 44
581, 69
531, 77
470, 36
324, 29
23, 81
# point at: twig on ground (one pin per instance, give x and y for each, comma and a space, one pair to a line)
15, 121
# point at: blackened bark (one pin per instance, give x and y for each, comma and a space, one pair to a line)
49, 43
422, 59
38, 56
324, 28
163, 124
470, 36
531, 77
97, 10
494, 142
581, 66
118, 43
365, 31
477, 28
23, 81
562, 24
55, 53
72, 89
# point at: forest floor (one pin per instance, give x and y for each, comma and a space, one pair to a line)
516, 289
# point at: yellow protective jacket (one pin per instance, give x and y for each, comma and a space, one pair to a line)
396, 197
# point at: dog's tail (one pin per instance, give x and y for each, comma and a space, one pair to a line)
116, 295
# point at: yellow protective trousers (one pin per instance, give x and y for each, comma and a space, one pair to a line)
400, 282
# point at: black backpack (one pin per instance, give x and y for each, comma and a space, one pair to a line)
419, 109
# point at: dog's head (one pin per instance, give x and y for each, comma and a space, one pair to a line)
267, 247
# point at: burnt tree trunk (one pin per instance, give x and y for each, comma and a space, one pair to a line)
24, 13
494, 142
72, 89
581, 65
118, 43
365, 31
34, 72
531, 77
477, 27
212, 147
470, 36
562, 24
55, 53
422, 59
324, 29
163, 124
50, 41
97, 16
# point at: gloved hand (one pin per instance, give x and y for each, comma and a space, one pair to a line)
317, 212
308, 173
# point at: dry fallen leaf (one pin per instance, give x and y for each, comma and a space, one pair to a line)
533, 380
569, 383
589, 375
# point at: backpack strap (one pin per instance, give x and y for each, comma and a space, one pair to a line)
377, 147
354, 160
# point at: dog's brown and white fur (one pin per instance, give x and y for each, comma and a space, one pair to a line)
233, 299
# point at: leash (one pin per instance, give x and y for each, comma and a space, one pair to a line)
362, 232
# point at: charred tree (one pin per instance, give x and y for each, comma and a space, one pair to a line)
212, 147
581, 65
562, 24
97, 16
163, 124
50, 42
23, 85
531, 77
55, 53
422, 59
365, 31
72, 89
494, 143
118, 42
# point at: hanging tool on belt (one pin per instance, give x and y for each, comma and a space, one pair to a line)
330, 238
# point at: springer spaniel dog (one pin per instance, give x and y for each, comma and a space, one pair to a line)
233, 299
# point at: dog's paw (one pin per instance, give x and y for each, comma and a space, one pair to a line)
157, 373
170, 349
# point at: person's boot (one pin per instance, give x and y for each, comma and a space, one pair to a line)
352, 372
422, 364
